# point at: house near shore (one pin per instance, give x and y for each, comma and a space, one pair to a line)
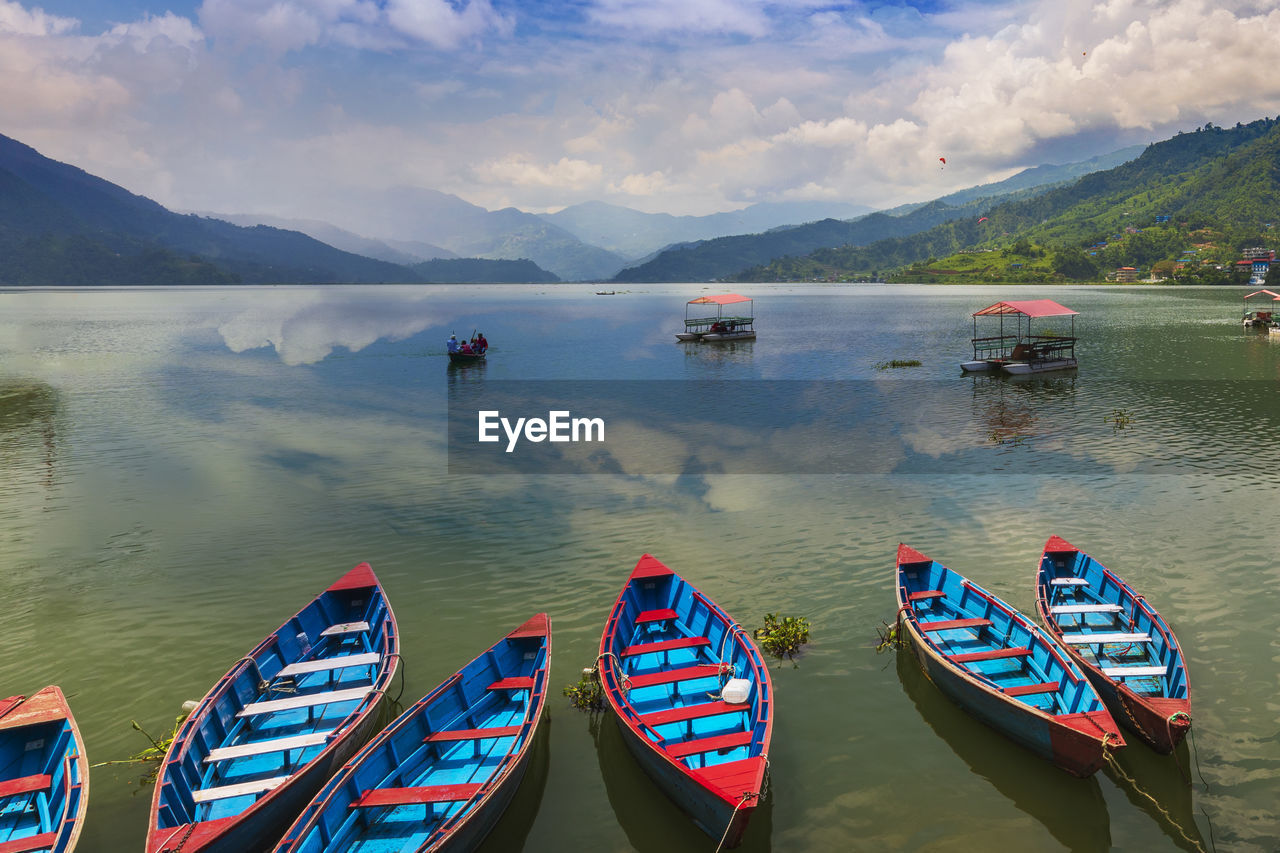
1124, 274
1258, 261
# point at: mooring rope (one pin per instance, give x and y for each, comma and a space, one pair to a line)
746, 795
1109, 755
624, 682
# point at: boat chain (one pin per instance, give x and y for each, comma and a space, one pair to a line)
1109, 754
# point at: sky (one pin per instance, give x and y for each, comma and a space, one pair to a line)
285, 107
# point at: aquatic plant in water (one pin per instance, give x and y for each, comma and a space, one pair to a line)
783, 637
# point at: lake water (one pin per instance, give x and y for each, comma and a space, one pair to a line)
182, 470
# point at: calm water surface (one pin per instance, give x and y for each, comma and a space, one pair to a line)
182, 470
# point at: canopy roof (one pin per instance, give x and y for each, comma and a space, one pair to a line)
1262, 292
1027, 307
723, 299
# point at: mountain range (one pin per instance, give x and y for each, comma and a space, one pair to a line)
61, 225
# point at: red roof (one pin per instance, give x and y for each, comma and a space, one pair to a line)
1261, 292
723, 299
1027, 307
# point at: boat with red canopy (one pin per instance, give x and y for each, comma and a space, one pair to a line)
1260, 309
720, 327
1016, 348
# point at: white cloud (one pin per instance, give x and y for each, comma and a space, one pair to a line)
17, 20
682, 16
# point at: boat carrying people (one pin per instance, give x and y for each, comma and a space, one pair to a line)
1015, 348
705, 327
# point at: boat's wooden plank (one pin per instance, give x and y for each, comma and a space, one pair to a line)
25, 785
43, 841
1069, 582
421, 795
655, 616
258, 786
665, 646
948, 624
926, 594
345, 628
1085, 639
324, 664
671, 676
708, 744
1133, 671
472, 734
287, 704
519, 682
263, 747
1067, 609
990, 654
691, 712
1028, 689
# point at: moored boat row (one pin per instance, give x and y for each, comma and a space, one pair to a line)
1105, 659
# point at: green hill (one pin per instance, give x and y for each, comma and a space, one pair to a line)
61, 225
1197, 198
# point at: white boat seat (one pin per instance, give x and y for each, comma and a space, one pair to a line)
291, 702
1067, 609
262, 747
1087, 639
1068, 582
205, 795
1132, 671
345, 628
324, 664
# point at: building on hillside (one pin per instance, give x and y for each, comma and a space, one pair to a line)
1258, 252
1124, 274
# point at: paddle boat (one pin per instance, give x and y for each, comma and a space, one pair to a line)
44, 774
1260, 310
440, 776
992, 661
1015, 348
713, 329
692, 697
276, 727
1119, 641
467, 352
466, 357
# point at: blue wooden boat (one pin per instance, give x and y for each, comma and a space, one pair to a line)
44, 774
440, 776
1119, 641
278, 725
692, 696
993, 662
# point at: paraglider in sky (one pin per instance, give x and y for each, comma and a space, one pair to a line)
942, 160
983, 219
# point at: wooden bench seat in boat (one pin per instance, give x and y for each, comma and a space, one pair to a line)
691, 712
989, 654
345, 628
1066, 609
43, 841
708, 744
665, 646
422, 795
305, 701
671, 676
1077, 639
26, 785
240, 789
1069, 582
948, 624
325, 664
1133, 671
471, 734
655, 616
519, 682
263, 747
926, 594
1029, 689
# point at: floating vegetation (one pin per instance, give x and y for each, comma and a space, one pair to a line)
588, 693
1007, 438
898, 362
1119, 419
783, 637
891, 636
154, 754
